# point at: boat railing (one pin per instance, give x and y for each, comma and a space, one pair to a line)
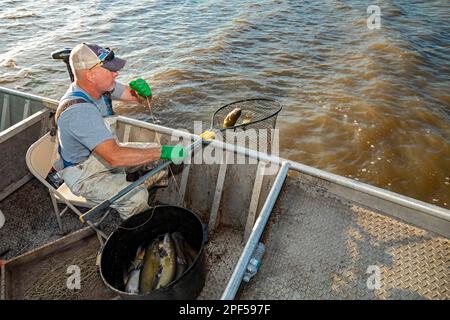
23, 119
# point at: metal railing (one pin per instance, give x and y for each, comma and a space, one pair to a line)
18, 106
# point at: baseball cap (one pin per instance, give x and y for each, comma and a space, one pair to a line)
86, 56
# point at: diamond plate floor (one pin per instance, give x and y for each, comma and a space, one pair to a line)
321, 247
30, 220
222, 253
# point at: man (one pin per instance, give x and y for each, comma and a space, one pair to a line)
91, 161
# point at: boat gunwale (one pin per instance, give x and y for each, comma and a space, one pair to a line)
48, 102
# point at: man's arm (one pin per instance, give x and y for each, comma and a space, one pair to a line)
118, 156
131, 96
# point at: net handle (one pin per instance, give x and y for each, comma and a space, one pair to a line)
278, 104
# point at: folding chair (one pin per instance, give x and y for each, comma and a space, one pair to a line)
39, 162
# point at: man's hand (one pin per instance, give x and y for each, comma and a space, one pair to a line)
141, 87
174, 153
208, 135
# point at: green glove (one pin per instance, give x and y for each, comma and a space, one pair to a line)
141, 87
174, 153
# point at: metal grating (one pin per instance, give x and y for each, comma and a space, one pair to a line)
321, 247
222, 253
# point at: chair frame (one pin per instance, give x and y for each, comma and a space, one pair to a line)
56, 196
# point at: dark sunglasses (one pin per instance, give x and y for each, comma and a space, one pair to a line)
107, 55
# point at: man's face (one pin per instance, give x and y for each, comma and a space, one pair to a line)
103, 78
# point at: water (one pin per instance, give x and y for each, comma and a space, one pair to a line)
372, 105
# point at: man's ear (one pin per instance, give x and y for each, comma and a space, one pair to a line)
90, 75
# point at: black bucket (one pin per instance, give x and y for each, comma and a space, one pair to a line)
120, 250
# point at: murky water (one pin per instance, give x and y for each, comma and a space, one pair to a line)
372, 105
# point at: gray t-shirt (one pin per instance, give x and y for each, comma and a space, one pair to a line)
81, 127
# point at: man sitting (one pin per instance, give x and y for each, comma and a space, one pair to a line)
92, 163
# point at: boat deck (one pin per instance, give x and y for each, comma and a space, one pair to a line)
318, 246
30, 221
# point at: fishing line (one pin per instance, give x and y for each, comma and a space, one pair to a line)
159, 142
144, 223
118, 226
